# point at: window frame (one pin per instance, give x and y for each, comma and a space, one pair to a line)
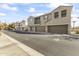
56, 14
37, 20
63, 13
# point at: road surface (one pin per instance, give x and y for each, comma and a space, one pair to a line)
48, 44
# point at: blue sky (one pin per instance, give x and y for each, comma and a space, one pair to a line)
12, 12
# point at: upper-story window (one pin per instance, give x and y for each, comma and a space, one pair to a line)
63, 13
45, 17
56, 14
37, 20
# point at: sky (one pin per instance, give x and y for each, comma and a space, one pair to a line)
12, 12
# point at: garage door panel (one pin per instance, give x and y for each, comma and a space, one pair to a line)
59, 29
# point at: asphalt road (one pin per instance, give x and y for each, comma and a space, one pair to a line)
48, 45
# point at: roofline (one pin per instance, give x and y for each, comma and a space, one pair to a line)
52, 11
61, 6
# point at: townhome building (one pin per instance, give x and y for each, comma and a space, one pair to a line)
21, 26
57, 21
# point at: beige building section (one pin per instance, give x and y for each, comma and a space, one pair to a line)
57, 21
21, 26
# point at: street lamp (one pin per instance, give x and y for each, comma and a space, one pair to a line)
73, 24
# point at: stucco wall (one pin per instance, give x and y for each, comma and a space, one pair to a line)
54, 21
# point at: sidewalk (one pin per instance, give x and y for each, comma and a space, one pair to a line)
11, 47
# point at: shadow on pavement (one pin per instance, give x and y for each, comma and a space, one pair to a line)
26, 32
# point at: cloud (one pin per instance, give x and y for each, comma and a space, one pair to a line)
39, 1
2, 14
38, 14
74, 15
54, 5
75, 12
8, 7
76, 23
32, 10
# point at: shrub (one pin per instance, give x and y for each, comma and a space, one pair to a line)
77, 32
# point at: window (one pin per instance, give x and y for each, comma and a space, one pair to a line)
63, 13
45, 17
31, 28
56, 15
37, 20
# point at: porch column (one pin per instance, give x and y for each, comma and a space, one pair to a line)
46, 28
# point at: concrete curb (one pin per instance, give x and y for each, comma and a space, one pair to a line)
27, 49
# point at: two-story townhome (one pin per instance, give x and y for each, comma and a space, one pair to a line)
21, 26
57, 21
17, 26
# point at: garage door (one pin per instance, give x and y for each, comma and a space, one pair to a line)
40, 29
58, 29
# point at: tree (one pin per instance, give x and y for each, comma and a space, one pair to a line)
1, 26
11, 26
5, 26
